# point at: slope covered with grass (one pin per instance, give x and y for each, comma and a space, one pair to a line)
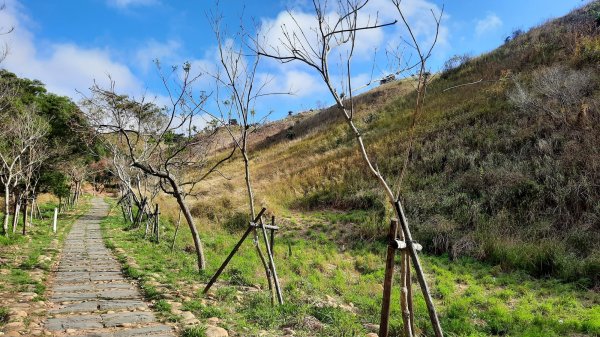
505, 170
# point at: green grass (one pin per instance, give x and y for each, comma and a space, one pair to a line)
23, 252
473, 298
4, 315
197, 331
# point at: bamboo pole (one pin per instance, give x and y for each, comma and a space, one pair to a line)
437, 328
388, 280
272, 241
157, 223
272, 264
404, 294
25, 205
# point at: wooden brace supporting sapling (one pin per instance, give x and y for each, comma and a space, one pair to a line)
255, 224
395, 244
233, 251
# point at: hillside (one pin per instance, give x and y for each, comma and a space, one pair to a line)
503, 175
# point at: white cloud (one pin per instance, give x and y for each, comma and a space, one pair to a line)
417, 12
165, 52
64, 67
129, 3
488, 24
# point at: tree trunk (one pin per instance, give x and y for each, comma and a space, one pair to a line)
256, 241
190, 221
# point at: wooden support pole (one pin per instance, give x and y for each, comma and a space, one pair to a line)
54, 220
272, 265
409, 292
388, 280
157, 222
16, 211
405, 288
272, 241
233, 251
258, 225
437, 328
39, 211
25, 205
31, 212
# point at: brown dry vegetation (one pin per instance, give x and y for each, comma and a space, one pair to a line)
489, 177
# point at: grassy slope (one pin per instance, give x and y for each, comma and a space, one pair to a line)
486, 180
483, 183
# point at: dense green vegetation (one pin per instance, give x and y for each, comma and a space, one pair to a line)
42, 143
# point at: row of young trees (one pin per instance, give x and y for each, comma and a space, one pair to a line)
159, 149
39, 148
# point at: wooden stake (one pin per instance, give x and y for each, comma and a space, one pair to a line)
54, 220
437, 328
388, 280
25, 217
272, 242
230, 256
16, 211
272, 265
405, 297
157, 223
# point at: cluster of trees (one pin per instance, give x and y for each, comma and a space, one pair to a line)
40, 148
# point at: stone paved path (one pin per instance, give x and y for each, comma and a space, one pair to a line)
90, 296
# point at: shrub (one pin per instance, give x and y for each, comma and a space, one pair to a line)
236, 222
237, 277
555, 91
455, 61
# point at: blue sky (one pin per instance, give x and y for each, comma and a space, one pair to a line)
69, 44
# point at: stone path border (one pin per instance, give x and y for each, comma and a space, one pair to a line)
89, 295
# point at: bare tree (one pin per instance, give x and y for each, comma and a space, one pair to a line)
143, 131
32, 161
313, 47
21, 132
237, 91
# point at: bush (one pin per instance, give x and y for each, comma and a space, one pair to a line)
236, 222
556, 91
455, 61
